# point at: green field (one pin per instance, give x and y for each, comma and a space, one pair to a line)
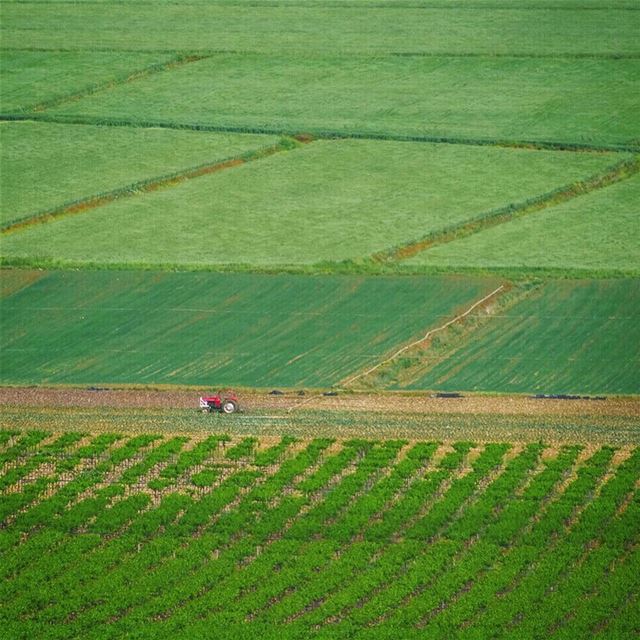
567, 337
46, 166
596, 231
106, 536
33, 78
326, 201
377, 200
588, 101
112, 99
418, 26
216, 329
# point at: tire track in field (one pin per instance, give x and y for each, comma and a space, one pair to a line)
616, 173
88, 203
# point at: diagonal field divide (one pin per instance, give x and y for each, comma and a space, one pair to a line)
144, 186
177, 61
616, 173
426, 336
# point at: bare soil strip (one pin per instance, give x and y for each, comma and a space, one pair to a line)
365, 402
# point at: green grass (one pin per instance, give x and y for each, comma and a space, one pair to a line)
45, 166
327, 201
496, 28
588, 101
568, 337
216, 329
30, 78
596, 231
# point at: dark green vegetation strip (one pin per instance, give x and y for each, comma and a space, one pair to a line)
312, 132
354, 538
209, 329
571, 337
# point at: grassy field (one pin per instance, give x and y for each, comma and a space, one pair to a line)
33, 78
46, 166
216, 329
105, 536
588, 101
596, 231
326, 201
418, 27
567, 337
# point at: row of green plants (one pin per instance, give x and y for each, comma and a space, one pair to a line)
351, 539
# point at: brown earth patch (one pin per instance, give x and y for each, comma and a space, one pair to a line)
382, 403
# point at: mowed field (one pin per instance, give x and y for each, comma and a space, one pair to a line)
106, 536
326, 201
241, 329
52, 167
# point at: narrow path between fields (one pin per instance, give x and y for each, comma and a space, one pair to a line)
322, 134
616, 173
88, 203
427, 336
178, 60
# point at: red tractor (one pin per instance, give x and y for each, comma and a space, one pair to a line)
223, 402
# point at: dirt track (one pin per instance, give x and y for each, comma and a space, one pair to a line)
498, 405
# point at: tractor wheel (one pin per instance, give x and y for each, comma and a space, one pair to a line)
229, 406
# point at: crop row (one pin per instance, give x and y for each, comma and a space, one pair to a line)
349, 539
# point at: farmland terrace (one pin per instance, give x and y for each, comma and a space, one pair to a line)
416, 222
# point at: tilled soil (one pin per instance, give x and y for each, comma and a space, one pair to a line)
254, 401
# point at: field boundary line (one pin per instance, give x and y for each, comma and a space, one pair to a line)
203, 53
424, 338
95, 201
153, 69
381, 4
322, 134
346, 267
616, 173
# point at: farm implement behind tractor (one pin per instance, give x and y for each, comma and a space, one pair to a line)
222, 402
